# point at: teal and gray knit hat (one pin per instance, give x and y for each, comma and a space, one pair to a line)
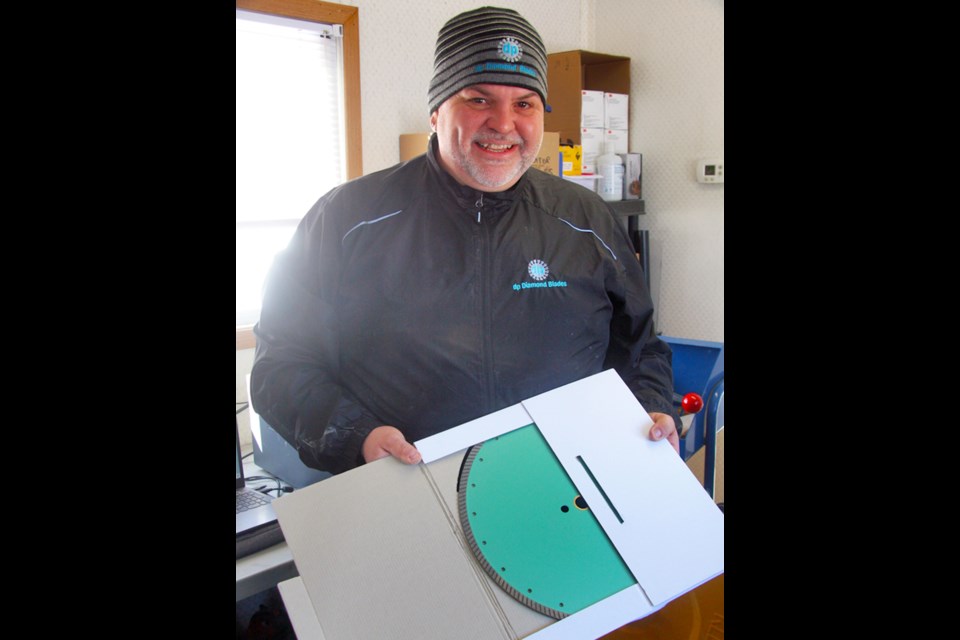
488, 45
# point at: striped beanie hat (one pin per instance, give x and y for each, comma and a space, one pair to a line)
488, 45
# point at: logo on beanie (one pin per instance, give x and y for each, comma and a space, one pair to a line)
510, 50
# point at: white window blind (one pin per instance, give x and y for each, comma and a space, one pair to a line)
290, 142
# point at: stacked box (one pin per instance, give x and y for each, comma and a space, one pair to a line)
616, 111
632, 176
548, 159
618, 137
572, 159
413, 144
615, 115
591, 141
592, 114
571, 72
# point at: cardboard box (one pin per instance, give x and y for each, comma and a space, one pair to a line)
591, 109
591, 142
632, 176
616, 111
413, 144
620, 139
389, 533
572, 160
548, 159
569, 73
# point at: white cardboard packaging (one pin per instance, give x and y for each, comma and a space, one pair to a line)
381, 553
616, 111
620, 139
591, 143
591, 109
632, 176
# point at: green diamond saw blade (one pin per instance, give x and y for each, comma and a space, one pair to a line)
531, 531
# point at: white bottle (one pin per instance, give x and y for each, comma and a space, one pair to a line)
610, 168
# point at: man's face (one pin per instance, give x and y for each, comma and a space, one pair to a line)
489, 134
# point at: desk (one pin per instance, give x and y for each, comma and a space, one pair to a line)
266, 568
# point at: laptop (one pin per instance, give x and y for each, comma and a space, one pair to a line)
253, 508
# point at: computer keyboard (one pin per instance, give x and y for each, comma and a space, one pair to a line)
247, 500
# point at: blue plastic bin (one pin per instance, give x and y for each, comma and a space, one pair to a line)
698, 367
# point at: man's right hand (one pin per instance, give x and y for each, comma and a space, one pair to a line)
389, 441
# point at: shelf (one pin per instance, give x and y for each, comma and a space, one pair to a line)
628, 207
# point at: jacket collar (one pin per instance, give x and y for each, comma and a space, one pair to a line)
467, 197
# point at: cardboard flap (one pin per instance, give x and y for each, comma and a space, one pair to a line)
300, 610
379, 558
647, 500
474, 432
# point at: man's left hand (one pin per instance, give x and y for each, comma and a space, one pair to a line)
665, 427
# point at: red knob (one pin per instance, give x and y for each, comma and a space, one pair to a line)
692, 403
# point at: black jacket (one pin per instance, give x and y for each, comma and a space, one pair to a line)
409, 300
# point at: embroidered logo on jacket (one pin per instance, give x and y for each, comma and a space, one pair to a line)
539, 271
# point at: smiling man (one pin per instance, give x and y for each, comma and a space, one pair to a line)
489, 135
460, 282
487, 97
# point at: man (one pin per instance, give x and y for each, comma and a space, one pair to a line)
420, 297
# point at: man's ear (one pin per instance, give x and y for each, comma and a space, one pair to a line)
433, 121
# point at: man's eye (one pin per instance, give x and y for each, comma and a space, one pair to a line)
524, 105
478, 100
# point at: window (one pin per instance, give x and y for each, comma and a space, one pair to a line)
297, 128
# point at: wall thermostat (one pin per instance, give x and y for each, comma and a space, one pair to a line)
710, 171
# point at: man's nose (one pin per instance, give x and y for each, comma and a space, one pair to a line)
501, 118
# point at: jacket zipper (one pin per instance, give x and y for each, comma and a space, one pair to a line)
486, 340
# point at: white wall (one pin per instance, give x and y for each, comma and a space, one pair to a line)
676, 117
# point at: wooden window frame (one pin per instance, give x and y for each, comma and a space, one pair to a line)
330, 13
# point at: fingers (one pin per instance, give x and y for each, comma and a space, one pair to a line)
665, 427
398, 447
389, 441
